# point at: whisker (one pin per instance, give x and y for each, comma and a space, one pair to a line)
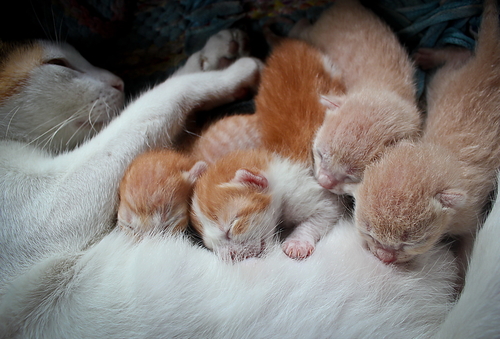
10, 120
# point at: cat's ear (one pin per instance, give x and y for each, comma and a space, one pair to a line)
331, 102
196, 171
248, 177
452, 198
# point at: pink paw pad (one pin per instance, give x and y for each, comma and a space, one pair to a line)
296, 249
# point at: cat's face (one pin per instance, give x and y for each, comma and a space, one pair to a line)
404, 204
356, 131
50, 95
236, 220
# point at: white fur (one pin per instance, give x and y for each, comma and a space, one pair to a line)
55, 204
304, 203
60, 106
169, 288
296, 200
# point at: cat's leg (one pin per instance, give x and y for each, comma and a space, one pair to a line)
220, 51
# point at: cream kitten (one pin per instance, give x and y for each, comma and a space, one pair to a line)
379, 108
53, 203
240, 201
420, 191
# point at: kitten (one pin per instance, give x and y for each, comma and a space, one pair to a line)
289, 102
156, 189
239, 202
379, 108
64, 202
155, 192
228, 134
420, 191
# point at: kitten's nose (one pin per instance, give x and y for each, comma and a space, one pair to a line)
386, 255
329, 181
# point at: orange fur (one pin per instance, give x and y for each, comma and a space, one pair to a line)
226, 135
15, 67
288, 103
214, 192
441, 184
155, 192
288, 113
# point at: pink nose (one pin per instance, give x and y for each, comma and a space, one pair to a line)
117, 83
386, 255
329, 181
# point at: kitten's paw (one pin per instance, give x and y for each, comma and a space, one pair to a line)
297, 249
223, 49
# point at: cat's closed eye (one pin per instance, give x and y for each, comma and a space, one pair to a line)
59, 62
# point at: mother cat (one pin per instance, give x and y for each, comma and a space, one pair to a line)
56, 197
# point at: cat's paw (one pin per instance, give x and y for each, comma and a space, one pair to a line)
223, 49
248, 71
297, 249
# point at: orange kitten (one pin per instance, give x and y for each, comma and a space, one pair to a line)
228, 134
240, 200
419, 192
288, 104
155, 192
380, 106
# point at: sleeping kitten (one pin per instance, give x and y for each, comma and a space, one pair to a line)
56, 203
242, 198
155, 192
239, 202
420, 191
379, 108
228, 134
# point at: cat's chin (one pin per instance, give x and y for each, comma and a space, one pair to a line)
91, 125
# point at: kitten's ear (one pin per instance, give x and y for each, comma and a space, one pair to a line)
331, 102
452, 198
197, 170
248, 177
125, 215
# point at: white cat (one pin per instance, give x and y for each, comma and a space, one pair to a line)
51, 204
164, 287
